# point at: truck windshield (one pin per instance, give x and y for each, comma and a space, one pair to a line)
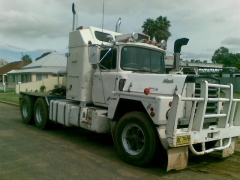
141, 59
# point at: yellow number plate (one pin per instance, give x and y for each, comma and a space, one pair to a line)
183, 140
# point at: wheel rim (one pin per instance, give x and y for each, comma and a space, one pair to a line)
133, 139
39, 114
24, 110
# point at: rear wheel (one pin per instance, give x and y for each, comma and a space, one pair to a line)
26, 109
136, 138
41, 114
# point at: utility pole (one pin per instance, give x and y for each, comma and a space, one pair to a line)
21, 73
22, 60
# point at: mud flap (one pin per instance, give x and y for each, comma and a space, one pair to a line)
230, 150
177, 158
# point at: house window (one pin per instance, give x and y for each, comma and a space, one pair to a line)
41, 76
38, 77
44, 76
28, 77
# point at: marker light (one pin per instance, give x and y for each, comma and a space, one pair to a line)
80, 28
150, 42
146, 91
170, 104
151, 108
152, 113
156, 43
127, 39
144, 40
223, 103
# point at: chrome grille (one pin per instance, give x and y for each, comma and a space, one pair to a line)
212, 93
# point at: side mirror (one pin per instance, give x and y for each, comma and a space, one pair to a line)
93, 55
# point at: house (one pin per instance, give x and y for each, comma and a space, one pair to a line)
44, 72
10, 67
45, 67
3, 63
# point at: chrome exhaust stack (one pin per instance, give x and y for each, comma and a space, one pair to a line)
74, 17
177, 49
118, 25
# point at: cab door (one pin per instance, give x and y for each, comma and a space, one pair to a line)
105, 77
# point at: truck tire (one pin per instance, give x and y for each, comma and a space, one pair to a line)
136, 138
41, 117
26, 109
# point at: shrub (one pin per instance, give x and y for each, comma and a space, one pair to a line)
59, 90
42, 88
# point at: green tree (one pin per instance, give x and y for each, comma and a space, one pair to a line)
43, 55
26, 58
149, 27
223, 56
158, 29
162, 29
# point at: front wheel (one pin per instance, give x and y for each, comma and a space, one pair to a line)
41, 113
136, 138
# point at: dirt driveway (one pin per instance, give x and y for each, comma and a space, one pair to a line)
73, 153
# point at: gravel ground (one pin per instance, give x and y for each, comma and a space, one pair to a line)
73, 153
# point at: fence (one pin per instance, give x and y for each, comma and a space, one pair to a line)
231, 80
7, 88
49, 83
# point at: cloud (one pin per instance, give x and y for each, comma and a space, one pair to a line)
44, 24
231, 41
30, 25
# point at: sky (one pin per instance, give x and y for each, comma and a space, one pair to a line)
36, 26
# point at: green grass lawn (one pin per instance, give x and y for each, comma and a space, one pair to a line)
7, 91
13, 97
236, 95
9, 97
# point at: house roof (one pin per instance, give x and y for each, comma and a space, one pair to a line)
49, 64
197, 64
46, 70
53, 59
13, 65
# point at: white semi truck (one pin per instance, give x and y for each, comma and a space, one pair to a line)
116, 83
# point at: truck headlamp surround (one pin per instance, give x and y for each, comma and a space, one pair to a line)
134, 36
109, 38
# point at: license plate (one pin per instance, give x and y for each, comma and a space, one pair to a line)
183, 140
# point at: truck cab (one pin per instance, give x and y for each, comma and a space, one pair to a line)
114, 59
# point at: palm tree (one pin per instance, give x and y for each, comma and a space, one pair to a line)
26, 58
162, 29
149, 27
158, 28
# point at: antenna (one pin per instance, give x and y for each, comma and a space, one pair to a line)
102, 22
76, 20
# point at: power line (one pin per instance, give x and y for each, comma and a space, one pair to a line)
11, 46
10, 52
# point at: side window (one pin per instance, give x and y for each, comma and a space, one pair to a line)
109, 61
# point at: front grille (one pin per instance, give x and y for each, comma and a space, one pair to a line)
212, 93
